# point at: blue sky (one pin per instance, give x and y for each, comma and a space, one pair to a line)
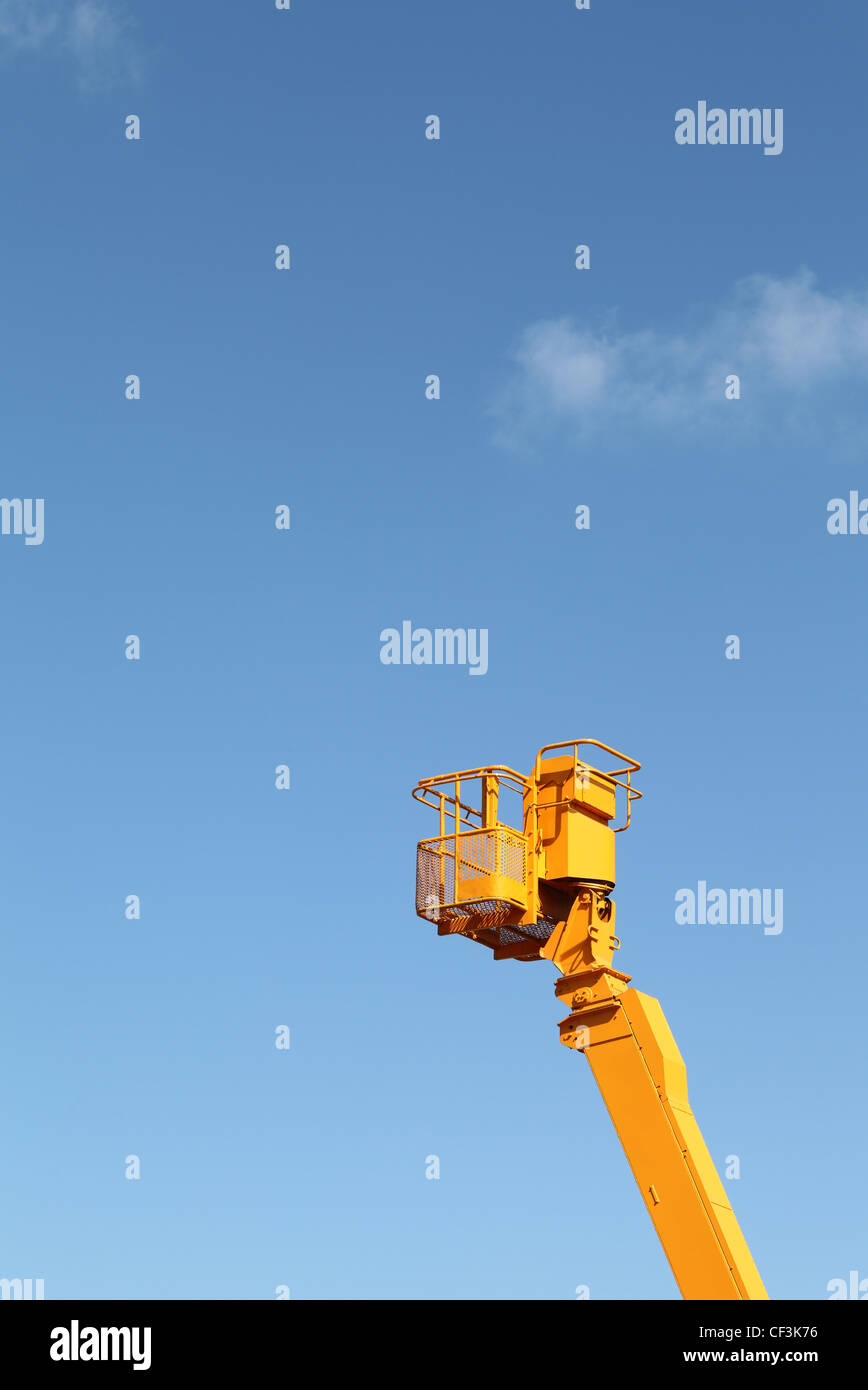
559, 387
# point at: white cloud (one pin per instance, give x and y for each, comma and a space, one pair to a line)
26, 24
795, 331
94, 33
777, 335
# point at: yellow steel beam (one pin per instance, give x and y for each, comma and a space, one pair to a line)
643, 1081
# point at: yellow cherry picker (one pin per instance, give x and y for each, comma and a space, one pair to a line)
533, 882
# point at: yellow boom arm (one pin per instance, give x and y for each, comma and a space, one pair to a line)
643, 1081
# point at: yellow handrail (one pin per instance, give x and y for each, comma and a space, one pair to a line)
614, 776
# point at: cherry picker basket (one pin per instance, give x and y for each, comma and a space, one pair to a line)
507, 884
483, 871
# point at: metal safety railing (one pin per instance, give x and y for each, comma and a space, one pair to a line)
486, 865
618, 776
